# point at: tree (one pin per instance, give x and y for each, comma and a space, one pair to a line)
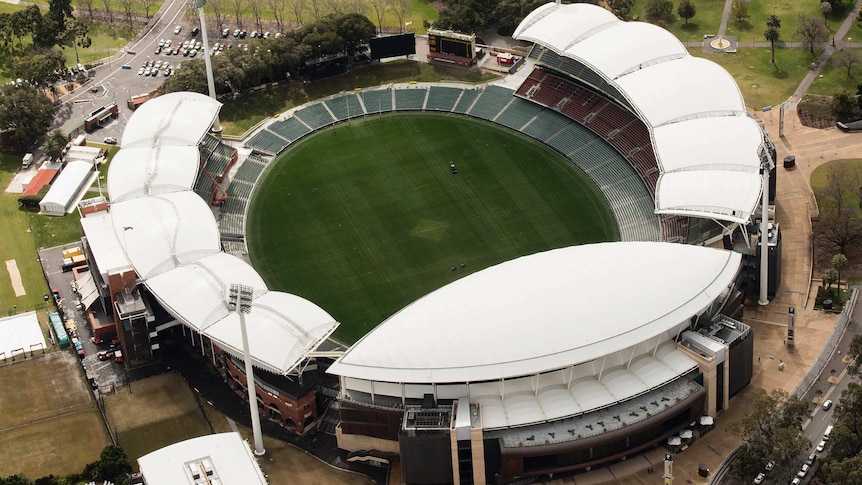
839, 262
771, 430
192, 77
298, 8
238, 7
14, 480
401, 9
842, 106
739, 11
855, 353
256, 12
621, 8
825, 9
42, 69
846, 59
771, 36
658, 9
77, 35
829, 276
686, 10
812, 31
25, 115
216, 7
114, 465
128, 7
279, 12
55, 144
87, 4
109, 12
774, 22
379, 7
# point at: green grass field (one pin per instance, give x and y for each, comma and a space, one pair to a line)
365, 218
48, 422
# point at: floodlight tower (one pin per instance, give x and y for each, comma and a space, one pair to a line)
239, 301
764, 231
199, 4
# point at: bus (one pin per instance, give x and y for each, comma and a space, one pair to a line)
101, 116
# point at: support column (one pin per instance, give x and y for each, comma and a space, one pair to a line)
764, 238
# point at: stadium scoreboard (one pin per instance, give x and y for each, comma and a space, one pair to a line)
449, 46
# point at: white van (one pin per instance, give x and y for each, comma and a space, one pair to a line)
27, 160
827, 433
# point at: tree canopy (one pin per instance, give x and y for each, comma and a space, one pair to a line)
25, 115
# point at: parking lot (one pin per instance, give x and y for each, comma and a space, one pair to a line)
105, 373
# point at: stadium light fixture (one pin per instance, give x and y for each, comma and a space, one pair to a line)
239, 301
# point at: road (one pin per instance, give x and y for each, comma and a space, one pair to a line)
115, 84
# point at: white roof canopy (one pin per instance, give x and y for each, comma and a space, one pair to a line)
172, 119
692, 106
542, 312
172, 240
152, 170
226, 454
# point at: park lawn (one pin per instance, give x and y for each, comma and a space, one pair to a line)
761, 83
51, 231
834, 80
17, 243
239, 115
819, 175
105, 44
855, 32
705, 21
158, 411
49, 421
788, 12
370, 219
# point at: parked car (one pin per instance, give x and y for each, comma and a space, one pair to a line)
236, 33
161, 42
827, 404
158, 50
141, 71
821, 446
111, 140
770, 466
118, 356
225, 33
253, 34
242, 34
195, 31
193, 53
803, 471
105, 354
177, 30
759, 478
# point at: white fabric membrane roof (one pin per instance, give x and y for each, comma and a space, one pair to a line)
226, 453
667, 87
542, 312
171, 238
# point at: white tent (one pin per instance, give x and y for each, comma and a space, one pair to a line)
67, 188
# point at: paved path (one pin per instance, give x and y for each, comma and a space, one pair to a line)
722, 27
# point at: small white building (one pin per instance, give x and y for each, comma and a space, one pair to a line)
222, 458
67, 188
87, 154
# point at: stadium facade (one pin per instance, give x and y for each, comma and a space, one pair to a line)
550, 363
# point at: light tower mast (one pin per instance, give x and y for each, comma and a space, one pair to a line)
199, 4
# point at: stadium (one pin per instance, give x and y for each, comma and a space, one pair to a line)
548, 363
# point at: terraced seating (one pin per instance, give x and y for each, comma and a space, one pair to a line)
248, 172
518, 113
315, 115
698, 230
465, 102
377, 100
345, 106
491, 102
290, 129
267, 142
442, 98
673, 228
545, 125
410, 99
571, 139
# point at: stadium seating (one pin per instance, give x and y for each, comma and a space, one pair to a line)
546, 125
315, 116
267, 142
518, 113
345, 106
491, 102
410, 99
442, 98
465, 102
290, 129
377, 100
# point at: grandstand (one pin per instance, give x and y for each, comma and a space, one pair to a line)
410, 99
216, 160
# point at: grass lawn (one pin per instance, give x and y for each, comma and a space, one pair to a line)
239, 115
17, 243
705, 21
369, 218
49, 424
819, 175
834, 80
105, 44
855, 33
761, 83
158, 411
788, 12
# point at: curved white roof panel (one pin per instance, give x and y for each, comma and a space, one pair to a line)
609, 51
679, 146
692, 106
682, 89
196, 292
542, 312
162, 232
709, 194
172, 239
556, 26
171, 119
282, 328
152, 170
227, 453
